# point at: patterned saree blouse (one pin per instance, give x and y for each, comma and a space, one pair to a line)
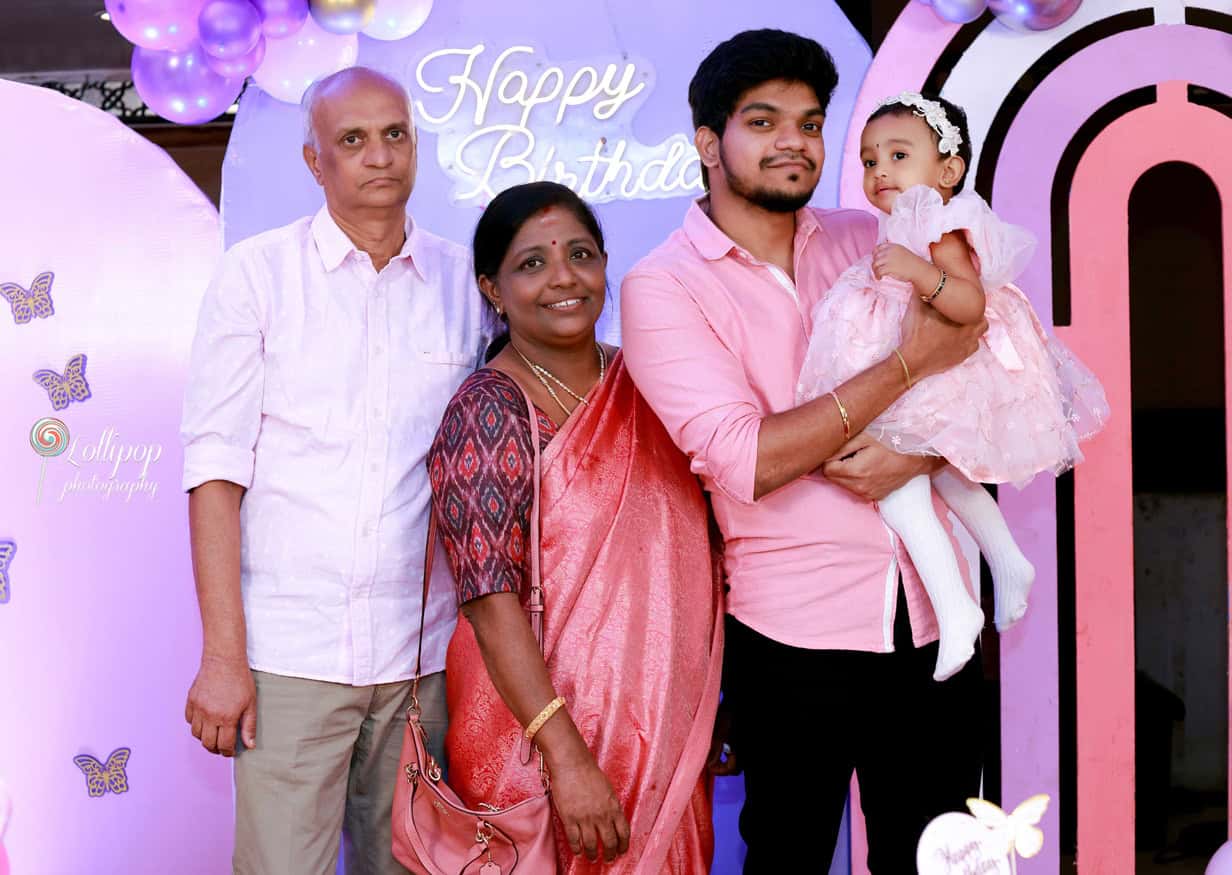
481, 467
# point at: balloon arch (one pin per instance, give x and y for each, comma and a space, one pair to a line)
191, 57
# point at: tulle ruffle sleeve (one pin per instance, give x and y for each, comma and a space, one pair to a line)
920, 218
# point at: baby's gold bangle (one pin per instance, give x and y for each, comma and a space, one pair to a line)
928, 299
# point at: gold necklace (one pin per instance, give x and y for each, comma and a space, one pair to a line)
541, 371
543, 375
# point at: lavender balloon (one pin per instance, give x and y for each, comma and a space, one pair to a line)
229, 28
281, 18
1221, 863
165, 25
292, 64
959, 11
241, 67
181, 87
1028, 15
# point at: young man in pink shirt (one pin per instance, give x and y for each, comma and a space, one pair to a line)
831, 639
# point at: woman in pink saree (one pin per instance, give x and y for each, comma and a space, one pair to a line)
632, 637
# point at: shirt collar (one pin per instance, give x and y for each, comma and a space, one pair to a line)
713, 244
334, 245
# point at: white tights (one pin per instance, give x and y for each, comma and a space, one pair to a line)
909, 512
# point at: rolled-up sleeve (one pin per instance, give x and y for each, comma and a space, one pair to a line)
226, 378
691, 380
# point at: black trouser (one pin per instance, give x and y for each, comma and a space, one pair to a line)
803, 720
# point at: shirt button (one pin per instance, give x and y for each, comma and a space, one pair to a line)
376, 413
380, 350
374, 467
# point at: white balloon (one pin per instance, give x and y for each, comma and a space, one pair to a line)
295, 62
397, 19
957, 842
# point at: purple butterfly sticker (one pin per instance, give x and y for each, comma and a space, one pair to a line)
72, 386
7, 551
108, 778
27, 304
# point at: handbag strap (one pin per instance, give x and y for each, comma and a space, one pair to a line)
535, 605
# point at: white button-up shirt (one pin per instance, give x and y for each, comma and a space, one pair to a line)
318, 384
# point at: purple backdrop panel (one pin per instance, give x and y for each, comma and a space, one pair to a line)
644, 117
100, 632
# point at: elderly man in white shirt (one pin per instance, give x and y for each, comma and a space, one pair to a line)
326, 352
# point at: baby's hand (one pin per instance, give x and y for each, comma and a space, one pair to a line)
897, 262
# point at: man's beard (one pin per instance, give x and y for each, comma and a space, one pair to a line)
769, 199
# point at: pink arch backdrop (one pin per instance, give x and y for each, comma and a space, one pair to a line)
100, 635
1025, 171
1170, 130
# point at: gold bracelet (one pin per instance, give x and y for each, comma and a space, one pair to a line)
842, 411
902, 361
928, 299
548, 710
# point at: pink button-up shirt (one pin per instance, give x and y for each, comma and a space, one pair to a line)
715, 339
318, 384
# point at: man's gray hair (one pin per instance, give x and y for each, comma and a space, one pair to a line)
321, 87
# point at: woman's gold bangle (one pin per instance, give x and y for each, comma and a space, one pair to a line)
906, 372
548, 710
842, 411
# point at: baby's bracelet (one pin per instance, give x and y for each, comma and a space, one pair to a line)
551, 708
928, 299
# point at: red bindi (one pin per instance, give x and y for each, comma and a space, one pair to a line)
553, 242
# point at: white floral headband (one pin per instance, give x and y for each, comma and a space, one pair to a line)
933, 113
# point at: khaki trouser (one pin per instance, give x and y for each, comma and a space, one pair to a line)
326, 754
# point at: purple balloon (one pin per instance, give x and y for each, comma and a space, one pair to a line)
181, 87
1027, 15
281, 18
241, 67
165, 25
1221, 863
959, 11
229, 28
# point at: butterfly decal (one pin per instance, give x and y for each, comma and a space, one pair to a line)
109, 778
64, 389
1018, 829
7, 549
26, 305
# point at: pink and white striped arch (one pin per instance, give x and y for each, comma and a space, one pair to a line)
1163, 54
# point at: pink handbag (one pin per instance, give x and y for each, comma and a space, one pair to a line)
434, 833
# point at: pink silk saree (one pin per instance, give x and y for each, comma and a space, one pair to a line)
633, 637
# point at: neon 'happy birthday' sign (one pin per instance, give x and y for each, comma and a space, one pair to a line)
527, 119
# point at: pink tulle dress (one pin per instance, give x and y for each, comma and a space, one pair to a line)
1018, 406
